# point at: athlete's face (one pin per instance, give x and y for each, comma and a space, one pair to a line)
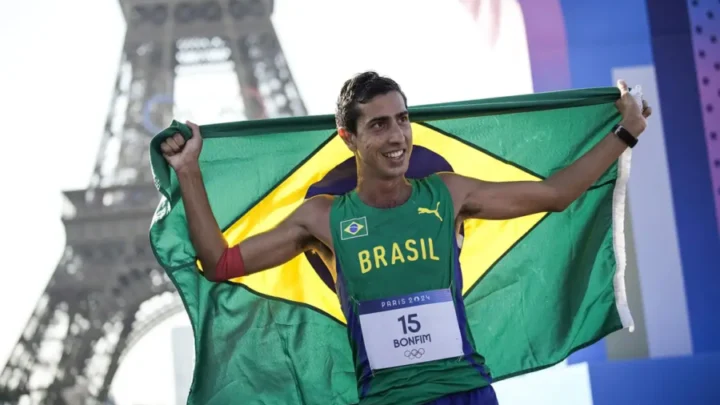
384, 137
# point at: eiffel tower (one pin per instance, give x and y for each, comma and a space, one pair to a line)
95, 307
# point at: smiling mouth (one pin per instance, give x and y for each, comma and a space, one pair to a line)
395, 155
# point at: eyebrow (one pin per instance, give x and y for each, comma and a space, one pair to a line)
386, 117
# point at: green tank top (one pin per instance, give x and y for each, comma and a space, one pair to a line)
400, 287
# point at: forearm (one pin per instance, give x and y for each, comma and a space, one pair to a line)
205, 234
572, 181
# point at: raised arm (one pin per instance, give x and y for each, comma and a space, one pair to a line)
487, 200
220, 261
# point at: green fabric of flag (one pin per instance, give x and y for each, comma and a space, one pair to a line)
536, 288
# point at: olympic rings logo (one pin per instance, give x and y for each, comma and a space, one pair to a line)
414, 353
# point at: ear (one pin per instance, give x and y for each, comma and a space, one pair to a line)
349, 139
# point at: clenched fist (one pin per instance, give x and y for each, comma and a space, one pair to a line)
633, 116
181, 154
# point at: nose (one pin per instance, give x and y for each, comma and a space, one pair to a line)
396, 134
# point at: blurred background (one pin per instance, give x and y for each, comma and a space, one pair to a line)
86, 315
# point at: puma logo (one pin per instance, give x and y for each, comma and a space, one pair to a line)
429, 211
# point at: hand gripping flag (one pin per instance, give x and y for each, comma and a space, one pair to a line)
536, 288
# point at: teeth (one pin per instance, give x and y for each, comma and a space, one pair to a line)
395, 154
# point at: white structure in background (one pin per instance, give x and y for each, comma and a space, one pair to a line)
183, 362
559, 385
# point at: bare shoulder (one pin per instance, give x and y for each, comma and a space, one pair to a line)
318, 205
459, 186
457, 182
451, 180
314, 213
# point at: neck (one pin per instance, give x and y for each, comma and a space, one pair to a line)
383, 193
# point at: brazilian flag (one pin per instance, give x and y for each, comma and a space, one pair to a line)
536, 288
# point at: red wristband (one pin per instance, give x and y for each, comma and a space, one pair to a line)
230, 264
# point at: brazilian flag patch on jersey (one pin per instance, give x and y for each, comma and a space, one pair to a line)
353, 228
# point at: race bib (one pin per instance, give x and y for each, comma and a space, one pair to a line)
410, 329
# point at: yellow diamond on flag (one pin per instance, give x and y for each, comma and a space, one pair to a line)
484, 242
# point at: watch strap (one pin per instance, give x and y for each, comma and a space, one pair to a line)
624, 135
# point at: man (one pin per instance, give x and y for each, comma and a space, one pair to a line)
391, 242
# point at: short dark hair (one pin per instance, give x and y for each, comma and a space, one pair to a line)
360, 89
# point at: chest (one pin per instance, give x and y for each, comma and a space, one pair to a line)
380, 255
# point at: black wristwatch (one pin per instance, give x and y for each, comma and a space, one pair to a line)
625, 135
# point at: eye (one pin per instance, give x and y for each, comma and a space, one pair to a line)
404, 118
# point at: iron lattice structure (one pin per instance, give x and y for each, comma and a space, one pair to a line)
95, 306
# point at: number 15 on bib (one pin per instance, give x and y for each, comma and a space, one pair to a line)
410, 329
